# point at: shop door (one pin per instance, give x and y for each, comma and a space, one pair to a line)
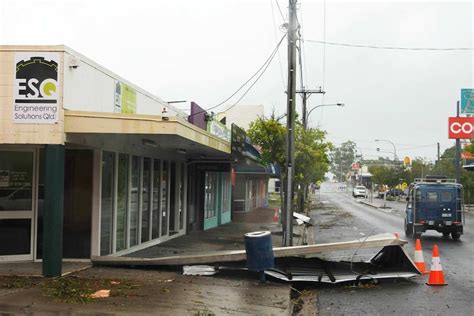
77, 204
18, 198
211, 198
224, 214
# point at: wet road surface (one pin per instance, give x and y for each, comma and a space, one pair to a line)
341, 217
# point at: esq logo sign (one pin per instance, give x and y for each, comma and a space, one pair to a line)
36, 88
460, 127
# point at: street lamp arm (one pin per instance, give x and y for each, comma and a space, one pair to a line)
318, 106
394, 149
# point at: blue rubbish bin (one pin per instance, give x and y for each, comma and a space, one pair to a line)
259, 250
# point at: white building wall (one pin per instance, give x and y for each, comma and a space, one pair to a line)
82, 74
243, 115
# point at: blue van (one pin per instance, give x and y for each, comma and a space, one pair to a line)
434, 203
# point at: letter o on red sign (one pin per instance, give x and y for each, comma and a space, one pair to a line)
460, 127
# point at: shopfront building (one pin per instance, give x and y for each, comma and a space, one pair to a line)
90, 165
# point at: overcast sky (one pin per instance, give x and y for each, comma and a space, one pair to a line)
204, 50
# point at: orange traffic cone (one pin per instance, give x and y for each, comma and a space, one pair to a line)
419, 261
276, 215
436, 273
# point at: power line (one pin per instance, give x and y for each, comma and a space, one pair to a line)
324, 44
422, 146
264, 66
276, 39
324, 61
394, 47
303, 49
279, 9
412, 146
251, 86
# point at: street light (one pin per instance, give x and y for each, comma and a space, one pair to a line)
394, 149
305, 119
360, 167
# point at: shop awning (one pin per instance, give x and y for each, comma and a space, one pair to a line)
169, 134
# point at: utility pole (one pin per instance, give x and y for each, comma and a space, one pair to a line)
437, 161
305, 94
458, 152
290, 122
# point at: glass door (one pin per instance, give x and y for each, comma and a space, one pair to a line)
210, 200
18, 198
226, 188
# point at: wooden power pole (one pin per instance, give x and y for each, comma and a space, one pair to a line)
290, 125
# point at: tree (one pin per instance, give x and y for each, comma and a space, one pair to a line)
382, 174
311, 155
311, 148
270, 136
446, 167
342, 158
385, 172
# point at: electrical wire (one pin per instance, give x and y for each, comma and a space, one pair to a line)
324, 62
279, 9
324, 45
259, 76
262, 69
303, 50
276, 40
324, 42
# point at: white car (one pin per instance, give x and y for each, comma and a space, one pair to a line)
359, 191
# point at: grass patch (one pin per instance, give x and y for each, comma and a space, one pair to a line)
17, 282
299, 298
78, 290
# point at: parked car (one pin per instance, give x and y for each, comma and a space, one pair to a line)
394, 192
359, 191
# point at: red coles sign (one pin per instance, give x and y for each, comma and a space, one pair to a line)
460, 127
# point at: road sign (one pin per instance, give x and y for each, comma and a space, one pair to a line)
467, 101
407, 161
460, 127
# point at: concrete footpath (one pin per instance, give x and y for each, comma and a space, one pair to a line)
163, 291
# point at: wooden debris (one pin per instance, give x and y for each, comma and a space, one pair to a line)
240, 255
100, 294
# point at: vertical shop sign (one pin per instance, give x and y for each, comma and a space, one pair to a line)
35, 88
125, 100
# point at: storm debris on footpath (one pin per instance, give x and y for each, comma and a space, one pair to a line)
291, 264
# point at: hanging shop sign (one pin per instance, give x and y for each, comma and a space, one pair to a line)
35, 88
125, 100
237, 140
467, 101
218, 129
